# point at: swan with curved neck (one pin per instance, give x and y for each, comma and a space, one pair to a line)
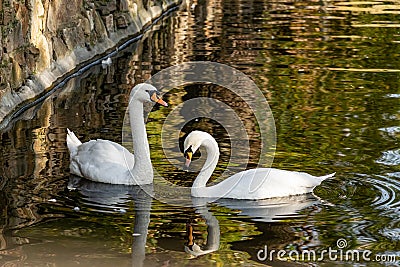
108, 162
260, 183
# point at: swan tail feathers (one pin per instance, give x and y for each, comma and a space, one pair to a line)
326, 176
72, 142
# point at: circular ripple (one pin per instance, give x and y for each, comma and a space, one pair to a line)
372, 205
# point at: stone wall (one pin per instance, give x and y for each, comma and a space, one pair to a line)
43, 40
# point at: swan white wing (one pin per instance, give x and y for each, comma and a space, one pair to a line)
264, 183
103, 161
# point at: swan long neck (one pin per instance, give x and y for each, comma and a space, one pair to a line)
139, 135
210, 164
213, 237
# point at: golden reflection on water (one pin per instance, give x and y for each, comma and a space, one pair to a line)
372, 7
364, 70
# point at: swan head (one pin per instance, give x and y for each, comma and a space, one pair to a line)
192, 143
145, 92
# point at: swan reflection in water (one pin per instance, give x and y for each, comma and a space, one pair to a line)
213, 236
272, 209
266, 210
114, 198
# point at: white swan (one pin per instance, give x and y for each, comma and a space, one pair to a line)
108, 162
258, 183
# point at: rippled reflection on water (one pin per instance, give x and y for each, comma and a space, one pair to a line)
330, 71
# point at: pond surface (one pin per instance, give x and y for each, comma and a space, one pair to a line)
330, 72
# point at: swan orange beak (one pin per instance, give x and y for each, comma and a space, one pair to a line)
188, 158
154, 97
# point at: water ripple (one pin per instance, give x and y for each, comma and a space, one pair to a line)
393, 234
108, 198
385, 202
389, 189
390, 157
393, 130
393, 95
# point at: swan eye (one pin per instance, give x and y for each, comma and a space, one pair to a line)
188, 152
188, 156
152, 93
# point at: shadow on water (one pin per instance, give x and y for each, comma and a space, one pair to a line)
330, 72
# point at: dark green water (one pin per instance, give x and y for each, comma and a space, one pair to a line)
330, 72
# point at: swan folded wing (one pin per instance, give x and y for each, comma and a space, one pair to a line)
266, 183
104, 161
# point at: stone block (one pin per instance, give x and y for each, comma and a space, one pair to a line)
123, 5
106, 7
99, 27
16, 74
109, 21
122, 21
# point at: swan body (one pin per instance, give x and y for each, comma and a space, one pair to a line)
108, 162
260, 183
